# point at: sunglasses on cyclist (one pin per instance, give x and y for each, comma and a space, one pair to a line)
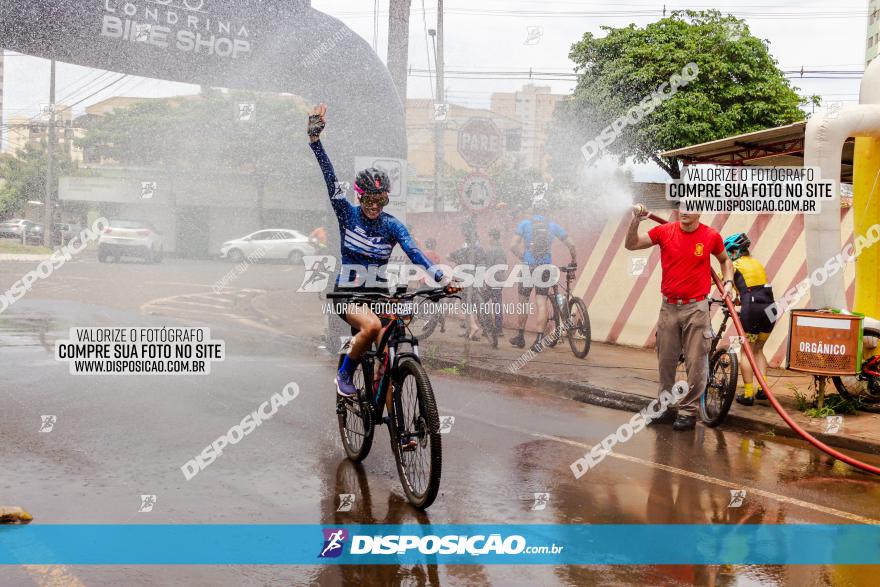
375, 200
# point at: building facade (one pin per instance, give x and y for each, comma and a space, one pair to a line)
873, 34
532, 107
33, 130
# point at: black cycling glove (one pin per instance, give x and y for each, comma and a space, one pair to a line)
316, 125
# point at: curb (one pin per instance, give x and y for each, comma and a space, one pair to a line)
631, 402
23, 257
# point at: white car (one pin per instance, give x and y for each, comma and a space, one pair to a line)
274, 243
130, 238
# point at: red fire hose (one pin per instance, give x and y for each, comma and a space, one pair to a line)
760, 376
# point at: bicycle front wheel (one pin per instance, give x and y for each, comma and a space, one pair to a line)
355, 415
416, 419
578, 328
721, 387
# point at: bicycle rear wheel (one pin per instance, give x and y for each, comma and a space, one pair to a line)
721, 387
355, 415
425, 320
579, 328
419, 469
863, 387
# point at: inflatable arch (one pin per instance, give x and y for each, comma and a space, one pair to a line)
825, 134
264, 45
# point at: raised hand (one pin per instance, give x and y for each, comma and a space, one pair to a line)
317, 121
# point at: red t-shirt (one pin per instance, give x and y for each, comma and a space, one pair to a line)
684, 258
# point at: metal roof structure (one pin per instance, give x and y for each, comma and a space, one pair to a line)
782, 146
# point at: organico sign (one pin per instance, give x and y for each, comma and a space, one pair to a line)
263, 45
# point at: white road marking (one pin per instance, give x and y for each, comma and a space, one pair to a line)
52, 576
682, 472
172, 304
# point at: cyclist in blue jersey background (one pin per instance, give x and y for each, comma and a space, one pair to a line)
532, 244
367, 236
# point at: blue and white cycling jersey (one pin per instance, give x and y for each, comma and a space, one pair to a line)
366, 242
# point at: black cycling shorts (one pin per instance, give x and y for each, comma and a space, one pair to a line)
543, 276
753, 312
340, 306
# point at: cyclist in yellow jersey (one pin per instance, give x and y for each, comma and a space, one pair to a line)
755, 295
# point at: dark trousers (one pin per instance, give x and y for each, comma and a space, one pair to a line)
495, 298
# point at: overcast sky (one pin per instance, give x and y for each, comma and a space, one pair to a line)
490, 35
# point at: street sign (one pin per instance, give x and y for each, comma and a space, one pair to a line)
480, 142
477, 192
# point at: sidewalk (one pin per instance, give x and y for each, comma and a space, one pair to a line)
626, 378
23, 257
612, 376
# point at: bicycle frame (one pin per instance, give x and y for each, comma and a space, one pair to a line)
721, 329
387, 353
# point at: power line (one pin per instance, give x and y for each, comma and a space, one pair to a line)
761, 14
559, 76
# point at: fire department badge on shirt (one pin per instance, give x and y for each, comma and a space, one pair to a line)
698, 251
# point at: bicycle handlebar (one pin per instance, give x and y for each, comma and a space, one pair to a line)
433, 294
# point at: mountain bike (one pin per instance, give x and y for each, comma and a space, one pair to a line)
864, 386
568, 316
427, 316
723, 374
412, 409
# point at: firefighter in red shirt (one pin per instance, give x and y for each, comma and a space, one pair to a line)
683, 327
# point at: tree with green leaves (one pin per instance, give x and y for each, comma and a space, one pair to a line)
205, 134
24, 177
739, 88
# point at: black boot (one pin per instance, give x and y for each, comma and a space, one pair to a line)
685, 422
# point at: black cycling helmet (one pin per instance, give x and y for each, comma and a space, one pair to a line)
372, 181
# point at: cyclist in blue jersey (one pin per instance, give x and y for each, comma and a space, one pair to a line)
367, 236
532, 245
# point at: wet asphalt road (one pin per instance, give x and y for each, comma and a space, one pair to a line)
119, 437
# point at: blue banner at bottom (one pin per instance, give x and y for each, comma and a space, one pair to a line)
539, 544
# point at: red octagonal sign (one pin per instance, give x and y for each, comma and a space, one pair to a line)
480, 142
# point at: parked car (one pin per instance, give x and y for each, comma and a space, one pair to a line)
35, 234
14, 228
64, 232
275, 243
130, 238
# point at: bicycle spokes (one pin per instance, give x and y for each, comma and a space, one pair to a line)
416, 462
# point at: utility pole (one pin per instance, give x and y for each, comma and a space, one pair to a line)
48, 213
439, 125
398, 44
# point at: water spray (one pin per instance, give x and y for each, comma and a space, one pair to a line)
643, 211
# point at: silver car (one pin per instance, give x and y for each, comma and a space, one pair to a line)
275, 243
15, 227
